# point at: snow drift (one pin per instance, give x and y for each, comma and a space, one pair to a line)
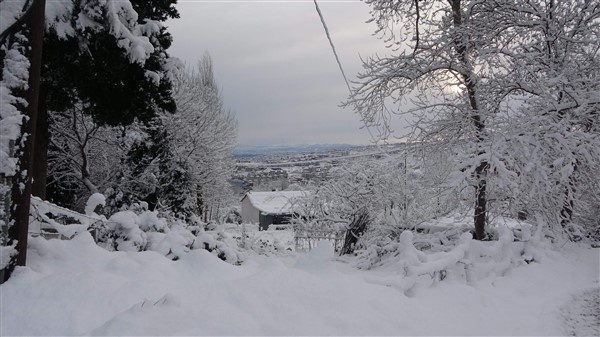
77, 288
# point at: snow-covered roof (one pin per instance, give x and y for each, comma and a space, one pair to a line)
277, 202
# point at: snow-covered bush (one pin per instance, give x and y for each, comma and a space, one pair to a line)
424, 259
150, 222
172, 242
138, 229
220, 244
124, 230
94, 204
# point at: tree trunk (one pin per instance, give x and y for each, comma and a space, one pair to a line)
85, 170
21, 188
566, 213
480, 201
40, 165
470, 84
357, 228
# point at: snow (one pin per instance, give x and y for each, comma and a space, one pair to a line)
39, 218
10, 11
15, 75
118, 17
277, 202
95, 200
77, 288
6, 253
58, 16
581, 314
317, 258
131, 237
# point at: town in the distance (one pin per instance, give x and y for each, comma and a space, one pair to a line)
280, 168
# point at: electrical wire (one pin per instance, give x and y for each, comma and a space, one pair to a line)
337, 59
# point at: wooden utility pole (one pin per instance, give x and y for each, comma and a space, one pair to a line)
21, 184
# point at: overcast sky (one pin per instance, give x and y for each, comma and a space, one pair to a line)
275, 66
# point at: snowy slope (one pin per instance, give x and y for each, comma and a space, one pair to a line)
76, 288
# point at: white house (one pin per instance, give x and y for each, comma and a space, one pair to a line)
266, 208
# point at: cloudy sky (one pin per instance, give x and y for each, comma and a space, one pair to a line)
275, 66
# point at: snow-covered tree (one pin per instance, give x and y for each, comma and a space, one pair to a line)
552, 136
83, 157
178, 163
115, 77
92, 28
510, 89
202, 135
149, 172
380, 198
440, 73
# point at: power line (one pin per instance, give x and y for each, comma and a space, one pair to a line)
337, 59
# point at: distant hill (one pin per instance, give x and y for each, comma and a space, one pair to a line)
245, 150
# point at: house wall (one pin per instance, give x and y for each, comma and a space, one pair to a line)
267, 220
249, 213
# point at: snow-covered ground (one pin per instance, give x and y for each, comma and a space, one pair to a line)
77, 288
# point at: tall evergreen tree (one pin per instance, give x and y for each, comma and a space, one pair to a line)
103, 43
91, 70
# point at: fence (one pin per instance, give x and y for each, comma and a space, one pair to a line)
305, 239
52, 221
